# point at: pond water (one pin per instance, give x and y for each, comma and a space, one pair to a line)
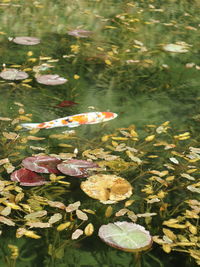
121, 67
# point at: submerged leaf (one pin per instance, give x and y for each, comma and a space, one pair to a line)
81, 33
6, 221
66, 103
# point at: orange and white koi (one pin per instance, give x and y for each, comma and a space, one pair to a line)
73, 121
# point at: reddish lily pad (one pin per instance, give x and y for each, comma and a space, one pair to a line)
13, 74
27, 178
66, 103
80, 33
42, 164
25, 40
126, 236
75, 167
51, 79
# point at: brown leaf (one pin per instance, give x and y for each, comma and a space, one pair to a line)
6, 221
81, 215
72, 207
10, 135
38, 224
77, 234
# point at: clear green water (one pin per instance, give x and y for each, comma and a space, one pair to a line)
141, 93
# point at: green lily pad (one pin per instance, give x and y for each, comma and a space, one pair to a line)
126, 236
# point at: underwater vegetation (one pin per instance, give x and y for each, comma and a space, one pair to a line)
122, 192
119, 180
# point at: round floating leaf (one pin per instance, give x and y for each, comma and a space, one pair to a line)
180, 47
80, 33
13, 74
27, 178
51, 79
107, 188
24, 40
75, 167
41, 164
126, 236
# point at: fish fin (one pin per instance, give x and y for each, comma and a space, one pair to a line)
30, 126
73, 125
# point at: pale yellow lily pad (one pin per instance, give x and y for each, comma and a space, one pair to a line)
107, 188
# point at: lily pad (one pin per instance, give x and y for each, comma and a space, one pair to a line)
80, 33
51, 79
25, 40
75, 167
126, 236
42, 164
107, 188
178, 47
13, 74
27, 178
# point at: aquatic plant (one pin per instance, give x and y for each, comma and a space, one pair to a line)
13, 74
51, 79
126, 236
26, 40
77, 168
27, 178
159, 163
41, 164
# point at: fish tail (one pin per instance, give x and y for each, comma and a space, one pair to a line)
30, 126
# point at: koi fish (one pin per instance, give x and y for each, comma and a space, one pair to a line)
73, 121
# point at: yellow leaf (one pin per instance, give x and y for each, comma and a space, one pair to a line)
166, 248
108, 62
169, 234
30, 137
89, 229
76, 77
128, 203
29, 53
114, 143
27, 69
105, 138
15, 66
89, 211
32, 234
32, 59
109, 27
63, 226
119, 138
24, 118
108, 211
27, 80
64, 145
150, 138
161, 194
170, 178
12, 205
26, 85
21, 111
